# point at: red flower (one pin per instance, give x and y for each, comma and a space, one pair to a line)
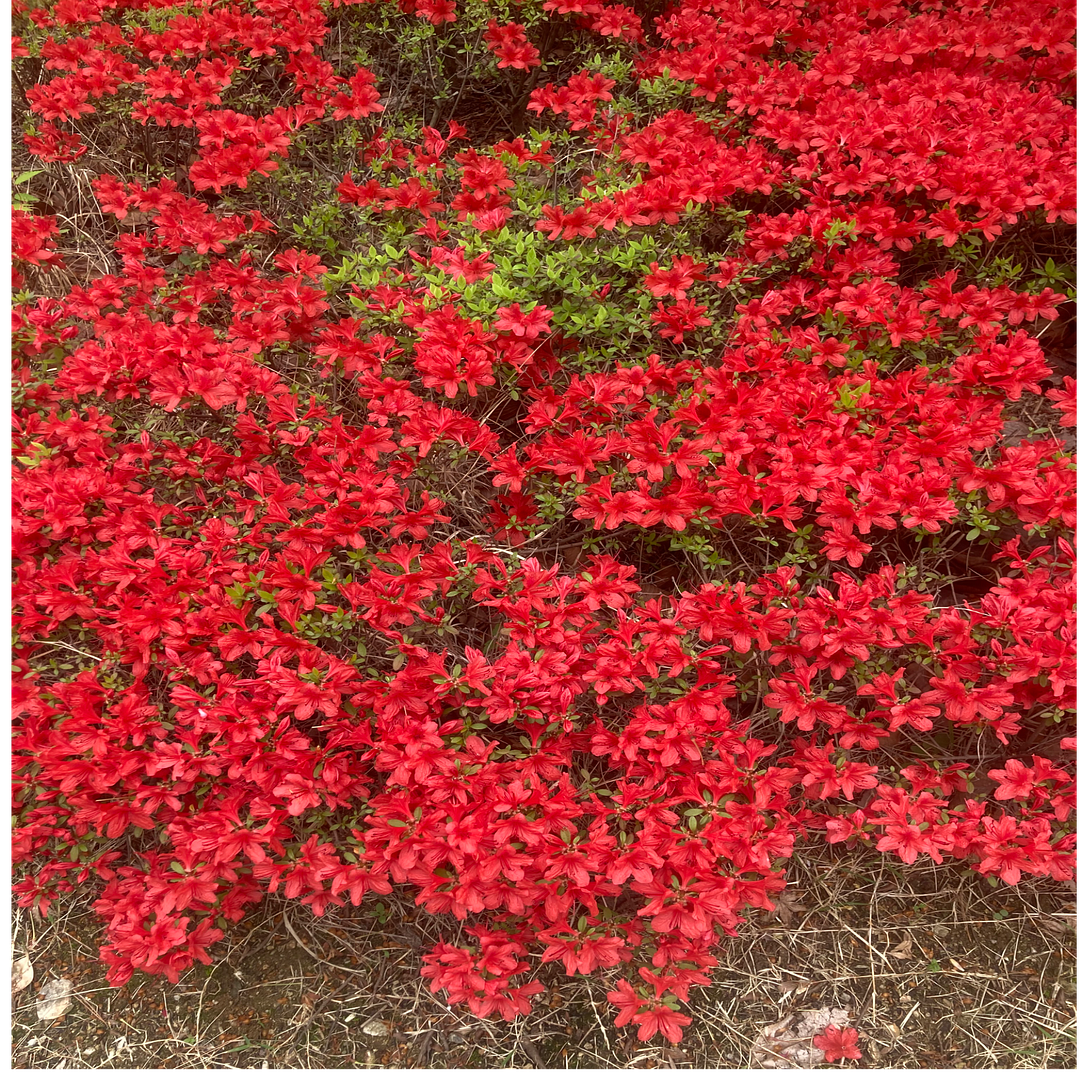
838, 1043
649, 1016
676, 281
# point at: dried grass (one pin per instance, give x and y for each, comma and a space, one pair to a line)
937, 971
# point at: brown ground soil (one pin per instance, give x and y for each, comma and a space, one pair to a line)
936, 971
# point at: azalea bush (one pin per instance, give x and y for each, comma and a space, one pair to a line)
544, 459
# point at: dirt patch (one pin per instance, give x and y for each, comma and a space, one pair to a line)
937, 971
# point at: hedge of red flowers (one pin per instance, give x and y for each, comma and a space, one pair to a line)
559, 528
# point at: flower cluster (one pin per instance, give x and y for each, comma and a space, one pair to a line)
568, 555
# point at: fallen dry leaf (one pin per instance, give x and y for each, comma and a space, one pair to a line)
532, 1052
786, 909
55, 999
1014, 432
22, 974
1061, 922
903, 950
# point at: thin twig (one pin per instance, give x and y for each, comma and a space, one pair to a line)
330, 963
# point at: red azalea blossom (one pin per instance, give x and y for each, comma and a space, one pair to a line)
838, 1044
